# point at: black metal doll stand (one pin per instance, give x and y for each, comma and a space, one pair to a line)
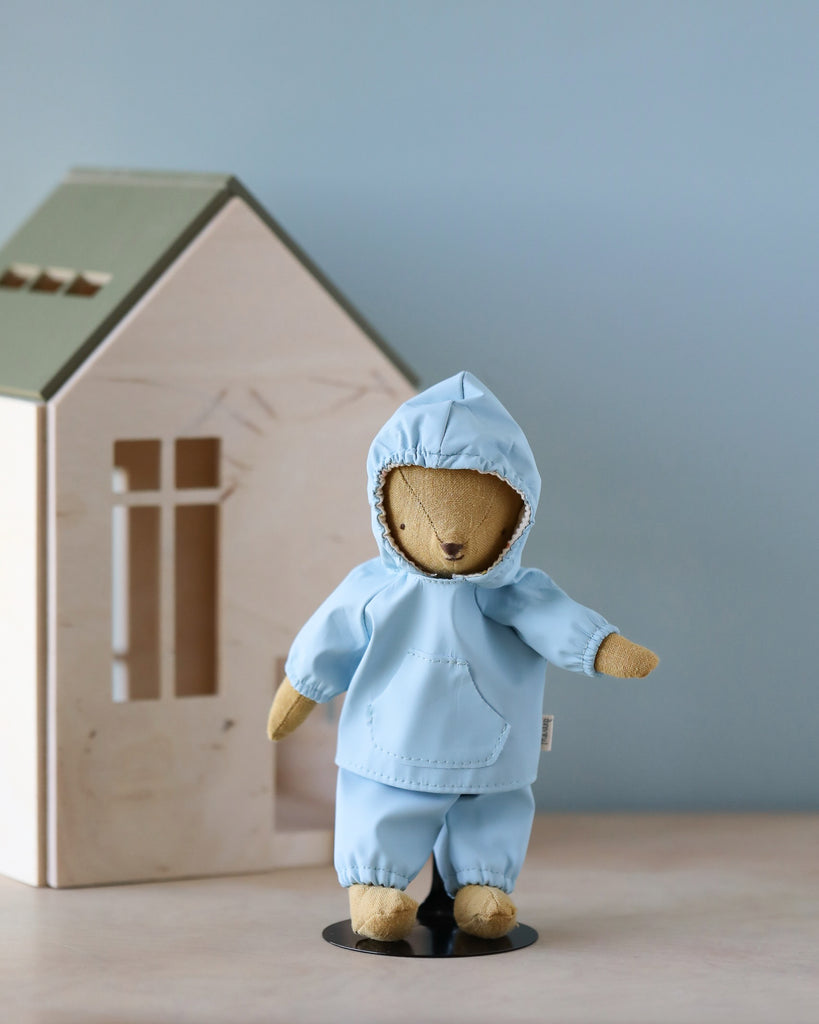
434, 934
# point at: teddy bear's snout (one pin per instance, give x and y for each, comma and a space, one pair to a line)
452, 551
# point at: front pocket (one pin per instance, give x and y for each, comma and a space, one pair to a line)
431, 714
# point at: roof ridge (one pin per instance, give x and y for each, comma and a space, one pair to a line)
132, 176
131, 233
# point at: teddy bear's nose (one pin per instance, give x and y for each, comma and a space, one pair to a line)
452, 550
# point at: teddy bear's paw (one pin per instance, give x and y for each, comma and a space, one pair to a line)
378, 912
484, 911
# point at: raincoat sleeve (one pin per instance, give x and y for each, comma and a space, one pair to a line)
562, 631
329, 646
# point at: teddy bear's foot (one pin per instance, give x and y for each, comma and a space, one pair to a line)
484, 911
378, 912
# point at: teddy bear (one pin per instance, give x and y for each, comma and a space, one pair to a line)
441, 645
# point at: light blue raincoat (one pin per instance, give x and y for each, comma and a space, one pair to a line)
444, 677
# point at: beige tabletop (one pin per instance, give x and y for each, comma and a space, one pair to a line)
649, 918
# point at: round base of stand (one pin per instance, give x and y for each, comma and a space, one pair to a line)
437, 938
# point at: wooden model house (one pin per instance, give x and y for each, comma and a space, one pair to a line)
185, 410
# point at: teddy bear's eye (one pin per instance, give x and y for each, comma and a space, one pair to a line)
403, 526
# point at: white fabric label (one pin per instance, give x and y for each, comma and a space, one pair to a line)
546, 732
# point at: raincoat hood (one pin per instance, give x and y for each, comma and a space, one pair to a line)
456, 424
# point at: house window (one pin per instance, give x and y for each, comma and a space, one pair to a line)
18, 275
87, 284
165, 554
50, 280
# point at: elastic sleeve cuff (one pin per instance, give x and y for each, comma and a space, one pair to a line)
311, 688
593, 646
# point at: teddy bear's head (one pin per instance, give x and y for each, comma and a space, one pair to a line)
450, 521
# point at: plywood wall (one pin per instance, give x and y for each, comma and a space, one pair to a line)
22, 645
236, 342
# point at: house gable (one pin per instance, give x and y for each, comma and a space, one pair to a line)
238, 344
171, 311
90, 252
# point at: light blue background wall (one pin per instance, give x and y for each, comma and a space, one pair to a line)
606, 209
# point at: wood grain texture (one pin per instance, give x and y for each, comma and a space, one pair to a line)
236, 342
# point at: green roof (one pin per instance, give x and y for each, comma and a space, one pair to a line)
110, 233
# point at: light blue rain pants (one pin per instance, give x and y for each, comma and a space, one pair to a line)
384, 835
